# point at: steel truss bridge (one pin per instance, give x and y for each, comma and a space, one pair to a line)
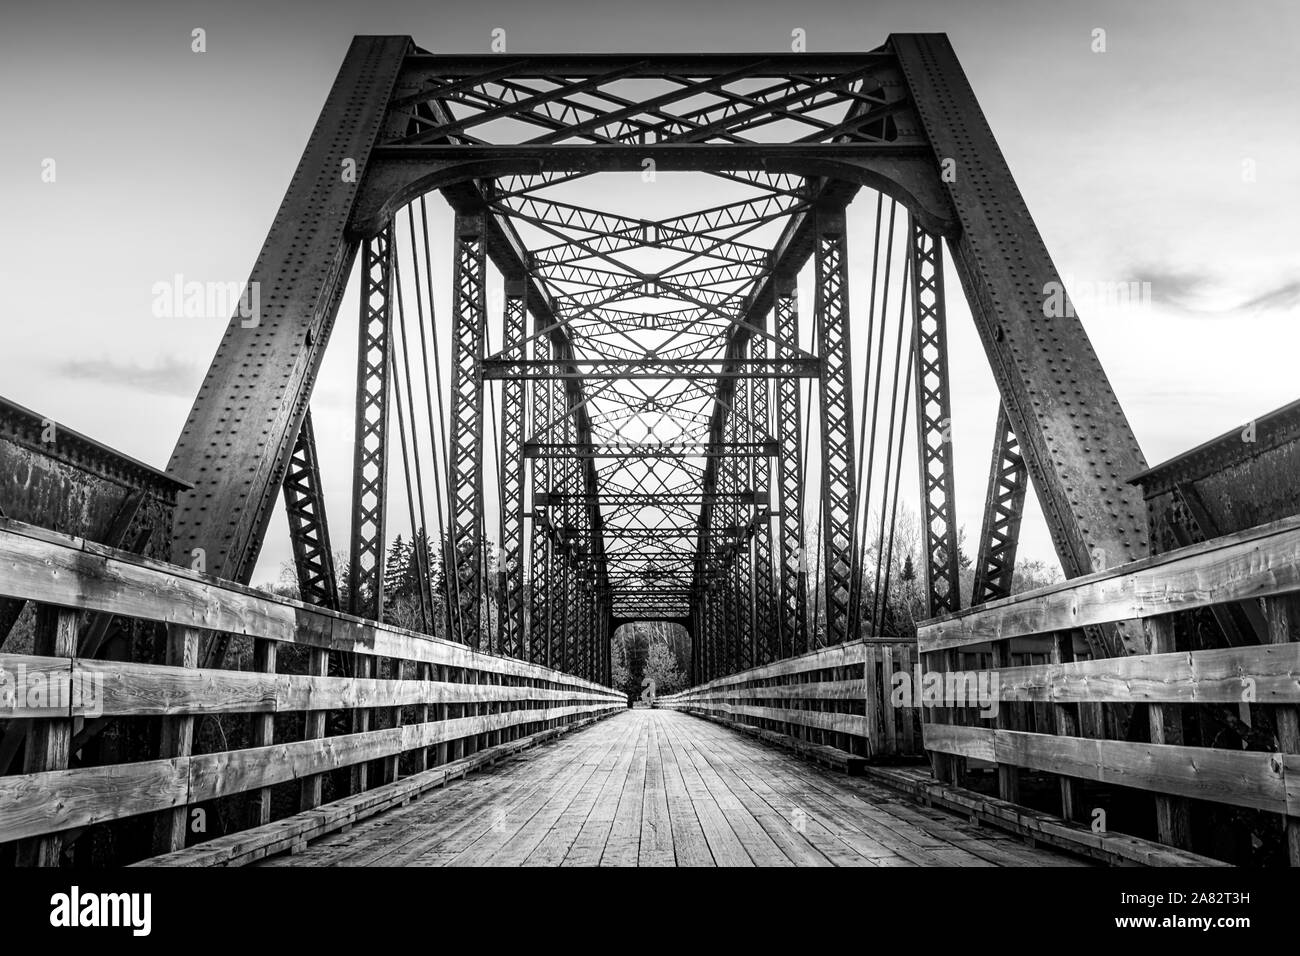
624, 385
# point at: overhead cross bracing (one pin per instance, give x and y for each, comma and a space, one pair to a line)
639, 291
649, 348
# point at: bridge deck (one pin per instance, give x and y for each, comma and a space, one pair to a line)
661, 788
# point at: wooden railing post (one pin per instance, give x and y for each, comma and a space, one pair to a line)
392, 766
48, 739
443, 712
423, 673
262, 728
1008, 774
177, 738
1283, 615
1066, 724
1166, 722
310, 793
363, 667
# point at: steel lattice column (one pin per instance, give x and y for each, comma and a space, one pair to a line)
839, 495
934, 422
511, 608
370, 455
765, 637
710, 633
304, 504
794, 584
742, 567
588, 631
1004, 506
539, 635
723, 516
562, 619
573, 511
469, 308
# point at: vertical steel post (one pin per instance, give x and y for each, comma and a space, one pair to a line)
511, 608
469, 313
794, 575
933, 422
370, 451
839, 494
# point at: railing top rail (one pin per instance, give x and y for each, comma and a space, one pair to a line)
1258, 562
46, 566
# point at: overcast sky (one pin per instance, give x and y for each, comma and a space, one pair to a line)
1133, 162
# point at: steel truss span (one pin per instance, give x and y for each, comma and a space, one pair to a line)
648, 398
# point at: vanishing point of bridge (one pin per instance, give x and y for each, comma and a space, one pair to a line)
615, 378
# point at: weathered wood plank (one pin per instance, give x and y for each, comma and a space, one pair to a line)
161, 690
1240, 778
40, 803
1173, 823
1283, 618
50, 734
1207, 676
176, 740
1255, 563
821, 720
49, 567
310, 791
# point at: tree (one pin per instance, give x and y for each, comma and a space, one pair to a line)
619, 675
661, 667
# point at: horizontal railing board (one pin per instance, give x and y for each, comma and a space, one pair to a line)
1207, 676
237, 771
39, 803
1258, 562
45, 566
822, 690
129, 689
822, 720
847, 654
1236, 777
18, 701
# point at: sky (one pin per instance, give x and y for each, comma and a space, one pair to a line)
1171, 158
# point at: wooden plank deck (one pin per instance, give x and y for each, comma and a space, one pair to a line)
663, 788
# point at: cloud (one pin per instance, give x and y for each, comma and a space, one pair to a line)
1193, 292
1281, 298
169, 375
1176, 288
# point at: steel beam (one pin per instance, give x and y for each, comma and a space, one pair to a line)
1004, 506
839, 493
465, 481
511, 607
764, 622
789, 426
370, 442
304, 505
933, 422
238, 439
1075, 439
540, 564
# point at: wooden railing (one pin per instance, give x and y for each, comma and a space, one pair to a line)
1048, 719
837, 697
438, 710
